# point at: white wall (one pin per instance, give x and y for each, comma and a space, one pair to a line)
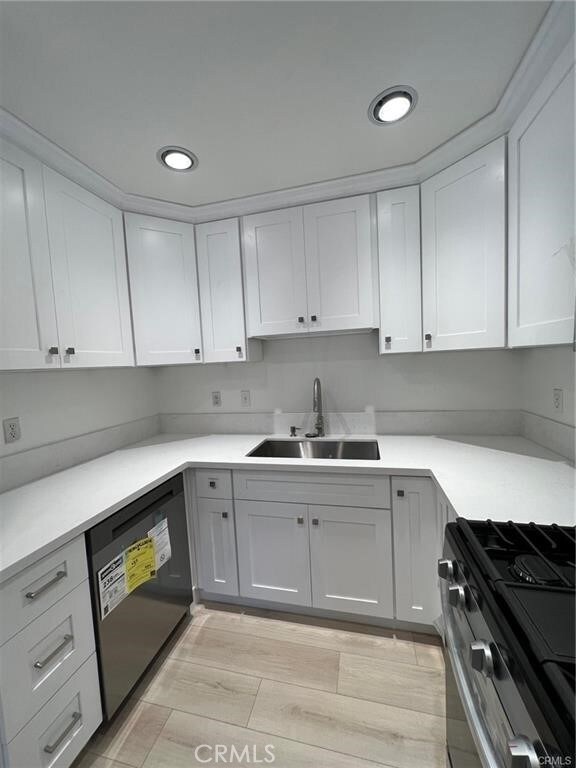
541, 371
353, 376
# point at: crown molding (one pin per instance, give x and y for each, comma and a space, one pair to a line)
553, 37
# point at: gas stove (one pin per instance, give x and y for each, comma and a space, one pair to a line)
509, 609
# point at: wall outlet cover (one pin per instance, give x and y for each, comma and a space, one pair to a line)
245, 398
558, 399
11, 428
216, 399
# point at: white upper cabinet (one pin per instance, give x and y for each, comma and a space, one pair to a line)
541, 214
90, 279
221, 294
27, 314
339, 266
399, 270
310, 269
464, 253
275, 273
164, 286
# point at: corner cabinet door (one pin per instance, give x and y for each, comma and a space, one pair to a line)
90, 277
221, 299
275, 273
399, 270
417, 547
464, 253
164, 286
339, 264
542, 265
27, 313
273, 551
217, 564
351, 558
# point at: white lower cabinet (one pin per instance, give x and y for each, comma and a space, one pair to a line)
56, 735
351, 559
217, 566
273, 551
417, 546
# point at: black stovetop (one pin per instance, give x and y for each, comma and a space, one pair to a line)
530, 571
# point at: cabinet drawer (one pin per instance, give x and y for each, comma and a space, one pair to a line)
37, 661
314, 488
31, 592
214, 483
57, 734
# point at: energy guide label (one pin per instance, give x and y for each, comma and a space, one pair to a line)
112, 585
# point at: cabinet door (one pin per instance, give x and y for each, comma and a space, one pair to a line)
275, 273
417, 547
273, 551
221, 296
464, 253
339, 264
541, 208
164, 285
27, 313
351, 560
399, 270
217, 547
90, 278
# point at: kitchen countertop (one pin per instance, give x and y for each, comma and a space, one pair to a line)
501, 478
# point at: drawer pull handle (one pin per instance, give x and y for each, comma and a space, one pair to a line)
300, 520
41, 664
315, 521
59, 576
212, 483
50, 748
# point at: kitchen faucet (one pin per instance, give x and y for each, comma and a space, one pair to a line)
317, 408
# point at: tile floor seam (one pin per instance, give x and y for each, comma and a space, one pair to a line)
197, 664
254, 702
157, 737
115, 762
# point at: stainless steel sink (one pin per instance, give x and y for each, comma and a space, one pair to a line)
318, 449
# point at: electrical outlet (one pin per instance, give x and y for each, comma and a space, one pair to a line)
558, 399
11, 429
245, 398
216, 399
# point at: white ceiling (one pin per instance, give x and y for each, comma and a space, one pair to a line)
269, 95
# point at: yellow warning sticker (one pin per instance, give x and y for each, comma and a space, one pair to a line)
140, 563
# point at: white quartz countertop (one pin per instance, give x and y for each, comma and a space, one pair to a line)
502, 478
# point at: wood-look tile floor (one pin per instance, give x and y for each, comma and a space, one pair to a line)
323, 694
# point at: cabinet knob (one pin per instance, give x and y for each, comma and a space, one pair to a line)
300, 520
300, 319
196, 352
53, 351
400, 493
239, 351
313, 318
388, 339
521, 754
224, 515
428, 337
457, 596
315, 521
481, 658
212, 483
70, 351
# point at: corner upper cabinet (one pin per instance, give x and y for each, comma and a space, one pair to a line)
90, 278
399, 270
541, 213
310, 269
221, 294
464, 253
27, 313
164, 286
339, 264
275, 273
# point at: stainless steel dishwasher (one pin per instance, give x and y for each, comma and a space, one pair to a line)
131, 627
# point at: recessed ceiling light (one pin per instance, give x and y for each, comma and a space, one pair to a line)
177, 158
392, 105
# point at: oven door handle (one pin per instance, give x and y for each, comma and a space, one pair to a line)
484, 745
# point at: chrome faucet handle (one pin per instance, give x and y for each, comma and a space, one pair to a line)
294, 430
